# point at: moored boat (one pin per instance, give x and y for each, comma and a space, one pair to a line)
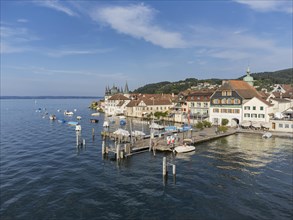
95, 114
72, 123
267, 135
156, 126
68, 113
52, 117
186, 147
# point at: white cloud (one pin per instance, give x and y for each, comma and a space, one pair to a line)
15, 39
269, 5
72, 52
56, 5
22, 20
137, 21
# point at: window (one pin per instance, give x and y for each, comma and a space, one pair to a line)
261, 115
237, 111
229, 101
254, 115
216, 101
280, 125
253, 108
246, 107
286, 125
223, 110
292, 126
198, 104
237, 101
246, 115
205, 105
216, 110
261, 108
224, 93
224, 101
229, 93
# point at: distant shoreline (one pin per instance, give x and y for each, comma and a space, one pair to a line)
51, 97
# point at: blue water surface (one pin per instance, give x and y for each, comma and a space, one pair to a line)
44, 176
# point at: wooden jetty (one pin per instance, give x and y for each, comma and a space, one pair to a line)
125, 146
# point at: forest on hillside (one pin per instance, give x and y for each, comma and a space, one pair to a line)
262, 80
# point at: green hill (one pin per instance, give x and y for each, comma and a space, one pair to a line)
262, 80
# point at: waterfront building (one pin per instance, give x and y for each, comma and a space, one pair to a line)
148, 104
198, 103
257, 110
116, 104
227, 101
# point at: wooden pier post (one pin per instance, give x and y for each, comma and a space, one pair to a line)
93, 133
165, 171
174, 169
118, 152
103, 147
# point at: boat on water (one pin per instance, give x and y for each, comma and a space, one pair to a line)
185, 127
156, 126
68, 113
186, 147
61, 121
92, 120
171, 128
78, 117
72, 123
52, 117
95, 114
267, 135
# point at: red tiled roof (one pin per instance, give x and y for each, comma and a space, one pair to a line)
118, 97
245, 90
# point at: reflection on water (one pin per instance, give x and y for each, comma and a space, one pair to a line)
243, 151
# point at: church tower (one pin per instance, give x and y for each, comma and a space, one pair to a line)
248, 78
126, 89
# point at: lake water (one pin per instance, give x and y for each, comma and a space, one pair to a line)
44, 175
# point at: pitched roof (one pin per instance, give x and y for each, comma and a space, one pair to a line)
118, 97
245, 90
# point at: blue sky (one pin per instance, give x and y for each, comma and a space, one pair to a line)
79, 47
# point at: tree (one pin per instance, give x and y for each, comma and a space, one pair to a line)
224, 121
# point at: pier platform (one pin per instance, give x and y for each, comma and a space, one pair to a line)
160, 143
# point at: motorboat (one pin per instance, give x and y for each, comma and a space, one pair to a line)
121, 132
74, 123
186, 147
171, 128
68, 113
94, 120
267, 135
185, 127
137, 133
52, 117
95, 114
156, 126
78, 117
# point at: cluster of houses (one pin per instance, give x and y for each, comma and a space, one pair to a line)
235, 100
